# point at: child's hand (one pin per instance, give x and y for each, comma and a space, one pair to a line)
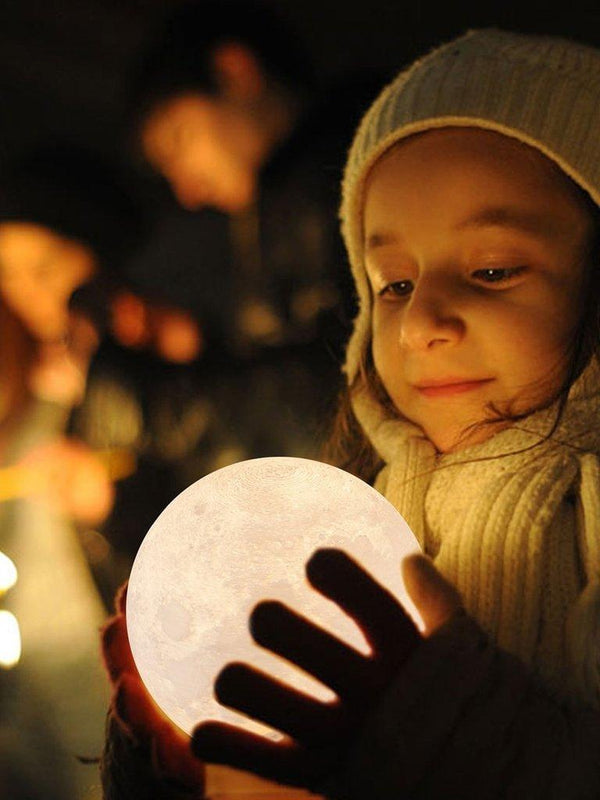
318, 734
141, 723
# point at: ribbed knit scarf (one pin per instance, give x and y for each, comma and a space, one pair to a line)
518, 534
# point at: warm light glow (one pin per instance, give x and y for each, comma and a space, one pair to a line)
10, 640
8, 573
239, 535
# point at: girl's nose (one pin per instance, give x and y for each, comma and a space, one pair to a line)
430, 318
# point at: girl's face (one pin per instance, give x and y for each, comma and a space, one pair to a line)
475, 249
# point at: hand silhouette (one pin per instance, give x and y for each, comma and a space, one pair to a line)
318, 735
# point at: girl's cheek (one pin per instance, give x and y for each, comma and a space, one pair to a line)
386, 320
381, 347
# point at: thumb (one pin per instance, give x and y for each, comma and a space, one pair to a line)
435, 598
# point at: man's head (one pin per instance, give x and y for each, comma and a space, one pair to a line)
217, 90
65, 215
40, 269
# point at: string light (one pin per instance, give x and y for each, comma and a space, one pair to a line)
10, 635
10, 640
8, 573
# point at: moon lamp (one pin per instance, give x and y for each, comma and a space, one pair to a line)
237, 536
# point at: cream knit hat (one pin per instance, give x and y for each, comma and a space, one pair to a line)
544, 91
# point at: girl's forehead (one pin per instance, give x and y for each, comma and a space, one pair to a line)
475, 164
480, 145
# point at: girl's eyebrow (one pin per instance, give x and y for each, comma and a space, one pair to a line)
508, 217
531, 222
375, 240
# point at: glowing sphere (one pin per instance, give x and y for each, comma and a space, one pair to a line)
237, 536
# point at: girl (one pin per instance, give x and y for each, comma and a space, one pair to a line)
470, 217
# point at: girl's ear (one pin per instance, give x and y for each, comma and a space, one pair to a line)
238, 72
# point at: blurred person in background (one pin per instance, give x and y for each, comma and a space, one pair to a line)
63, 217
67, 223
225, 107
51, 688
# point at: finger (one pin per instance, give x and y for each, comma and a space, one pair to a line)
121, 598
145, 723
435, 598
116, 650
316, 651
387, 627
137, 710
284, 762
263, 698
173, 758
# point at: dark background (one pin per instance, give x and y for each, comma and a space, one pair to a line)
64, 67
62, 62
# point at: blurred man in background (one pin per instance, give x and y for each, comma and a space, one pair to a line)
225, 108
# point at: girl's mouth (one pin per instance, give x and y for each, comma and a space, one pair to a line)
449, 389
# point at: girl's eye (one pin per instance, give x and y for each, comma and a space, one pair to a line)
497, 274
396, 289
